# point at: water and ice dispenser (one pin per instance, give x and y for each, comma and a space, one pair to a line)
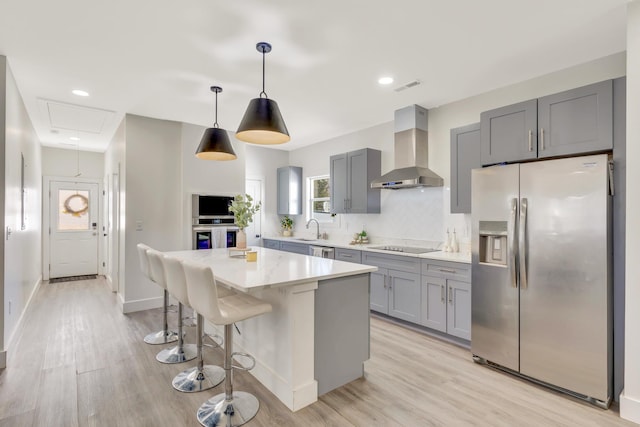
493, 242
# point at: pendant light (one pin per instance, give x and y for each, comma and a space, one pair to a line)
262, 122
215, 143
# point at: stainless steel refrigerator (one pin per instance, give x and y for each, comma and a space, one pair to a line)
541, 272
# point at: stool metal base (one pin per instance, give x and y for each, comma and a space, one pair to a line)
174, 355
194, 380
161, 337
218, 411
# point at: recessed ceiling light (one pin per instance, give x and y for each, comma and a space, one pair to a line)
74, 138
79, 92
385, 80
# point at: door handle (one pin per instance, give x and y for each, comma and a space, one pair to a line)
442, 293
530, 140
522, 250
450, 295
512, 244
542, 139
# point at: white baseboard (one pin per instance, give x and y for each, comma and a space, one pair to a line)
141, 304
629, 408
14, 334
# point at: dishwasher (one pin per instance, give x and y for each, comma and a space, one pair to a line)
321, 251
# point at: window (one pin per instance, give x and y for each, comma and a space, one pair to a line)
319, 206
73, 208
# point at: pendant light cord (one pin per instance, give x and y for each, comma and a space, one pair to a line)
263, 66
215, 124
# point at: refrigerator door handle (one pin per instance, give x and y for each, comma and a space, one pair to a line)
523, 243
512, 244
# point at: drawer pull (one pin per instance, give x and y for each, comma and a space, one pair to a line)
347, 256
446, 270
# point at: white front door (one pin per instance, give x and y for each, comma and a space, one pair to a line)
254, 230
73, 220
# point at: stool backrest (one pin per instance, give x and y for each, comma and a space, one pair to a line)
155, 267
176, 281
143, 259
203, 292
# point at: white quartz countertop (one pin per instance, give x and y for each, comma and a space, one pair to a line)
463, 257
273, 268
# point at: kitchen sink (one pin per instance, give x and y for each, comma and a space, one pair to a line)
304, 239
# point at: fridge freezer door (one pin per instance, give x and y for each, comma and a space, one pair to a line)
494, 293
564, 314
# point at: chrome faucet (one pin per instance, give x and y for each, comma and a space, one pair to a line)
317, 225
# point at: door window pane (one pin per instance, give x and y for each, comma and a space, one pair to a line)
73, 208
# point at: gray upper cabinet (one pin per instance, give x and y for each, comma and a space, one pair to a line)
465, 156
290, 190
351, 174
509, 133
575, 121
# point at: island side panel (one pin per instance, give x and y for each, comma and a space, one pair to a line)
282, 343
341, 330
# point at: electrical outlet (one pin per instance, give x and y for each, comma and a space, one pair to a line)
9, 306
139, 226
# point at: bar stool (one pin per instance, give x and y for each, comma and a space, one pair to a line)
181, 352
164, 336
231, 408
200, 377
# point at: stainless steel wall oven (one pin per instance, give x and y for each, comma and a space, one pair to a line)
212, 224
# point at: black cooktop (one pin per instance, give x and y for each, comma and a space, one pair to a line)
405, 249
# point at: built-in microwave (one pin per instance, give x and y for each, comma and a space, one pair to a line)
212, 210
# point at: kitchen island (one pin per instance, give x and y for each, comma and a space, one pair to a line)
317, 336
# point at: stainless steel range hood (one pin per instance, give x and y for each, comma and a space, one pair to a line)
411, 153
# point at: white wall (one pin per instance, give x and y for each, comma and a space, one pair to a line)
630, 398
115, 174
22, 257
412, 216
152, 197
207, 176
467, 111
61, 162
262, 163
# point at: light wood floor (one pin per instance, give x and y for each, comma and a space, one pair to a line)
78, 361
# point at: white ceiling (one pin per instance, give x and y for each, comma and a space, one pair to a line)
158, 58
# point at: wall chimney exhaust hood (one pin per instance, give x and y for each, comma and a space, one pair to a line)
411, 153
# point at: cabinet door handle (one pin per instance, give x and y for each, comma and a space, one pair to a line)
450, 295
347, 256
542, 139
530, 140
446, 270
442, 293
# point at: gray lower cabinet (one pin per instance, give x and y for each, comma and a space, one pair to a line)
465, 156
349, 255
271, 244
446, 297
576, 121
297, 248
350, 177
395, 287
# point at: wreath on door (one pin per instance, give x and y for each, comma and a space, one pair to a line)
76, 205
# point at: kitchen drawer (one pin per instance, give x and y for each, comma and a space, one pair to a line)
349, 255
296, 248
446, 269
395, 262
271, 244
